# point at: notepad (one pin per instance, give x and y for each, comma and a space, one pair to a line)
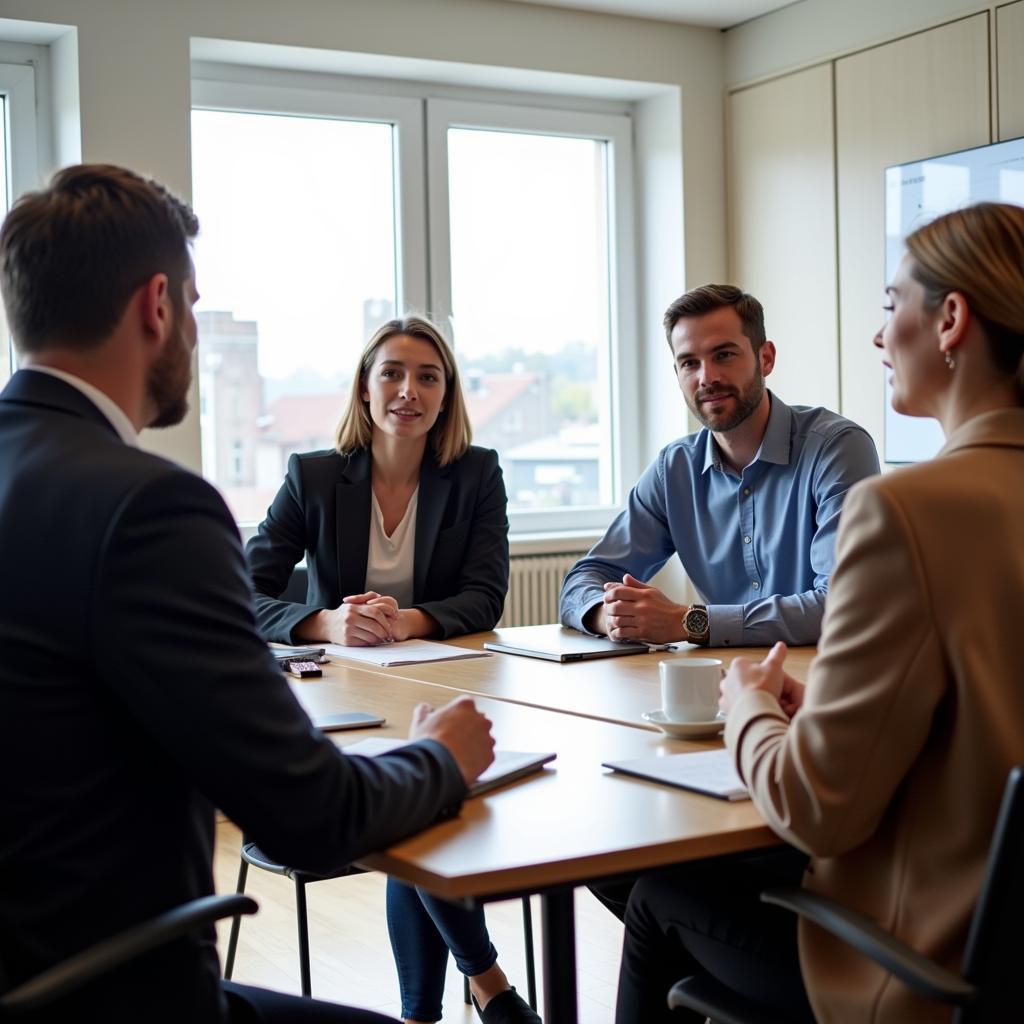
403, 652
707, 771
508, 765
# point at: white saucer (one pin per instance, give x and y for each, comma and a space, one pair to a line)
684, 730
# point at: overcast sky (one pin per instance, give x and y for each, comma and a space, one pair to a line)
296, 218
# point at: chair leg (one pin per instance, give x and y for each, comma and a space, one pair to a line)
465, 991
229, 960
531, 972
300, 915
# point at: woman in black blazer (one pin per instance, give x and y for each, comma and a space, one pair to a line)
405, 534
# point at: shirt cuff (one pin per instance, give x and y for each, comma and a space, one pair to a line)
582, 610
726, 625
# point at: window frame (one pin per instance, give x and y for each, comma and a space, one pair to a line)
422, 236
21, 155
616, 130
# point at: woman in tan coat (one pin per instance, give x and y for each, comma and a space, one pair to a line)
889, 773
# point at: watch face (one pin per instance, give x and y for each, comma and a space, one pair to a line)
697, 621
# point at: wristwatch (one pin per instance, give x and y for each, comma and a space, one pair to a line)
697, 624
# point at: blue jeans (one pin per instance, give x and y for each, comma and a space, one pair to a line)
422, 929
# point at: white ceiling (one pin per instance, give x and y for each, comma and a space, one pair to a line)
709, 13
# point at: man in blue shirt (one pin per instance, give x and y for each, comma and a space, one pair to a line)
750, 503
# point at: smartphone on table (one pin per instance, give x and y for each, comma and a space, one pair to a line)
347, 720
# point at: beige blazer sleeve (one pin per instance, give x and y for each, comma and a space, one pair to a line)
824, 781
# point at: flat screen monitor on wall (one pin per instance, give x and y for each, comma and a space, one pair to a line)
914, 194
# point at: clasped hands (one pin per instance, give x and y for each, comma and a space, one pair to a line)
365, 620
633, 610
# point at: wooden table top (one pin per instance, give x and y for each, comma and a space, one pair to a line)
608, 689
572, 822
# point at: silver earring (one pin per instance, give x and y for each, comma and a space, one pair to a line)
950, 361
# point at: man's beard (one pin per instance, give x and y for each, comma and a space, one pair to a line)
746, 402
169, 380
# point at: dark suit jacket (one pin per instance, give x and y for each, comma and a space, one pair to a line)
136, 695
323, 511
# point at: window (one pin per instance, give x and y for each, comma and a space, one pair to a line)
324, 215
18, 161
296, 264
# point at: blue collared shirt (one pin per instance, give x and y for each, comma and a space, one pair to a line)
758, 547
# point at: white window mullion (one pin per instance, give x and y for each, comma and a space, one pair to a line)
439, 212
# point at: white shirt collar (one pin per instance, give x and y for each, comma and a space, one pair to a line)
106, 405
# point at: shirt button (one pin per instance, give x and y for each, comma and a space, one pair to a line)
746, 491
755, 585
746, 540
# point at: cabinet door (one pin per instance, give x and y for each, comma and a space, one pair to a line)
912, 98
1010, 57
782, 229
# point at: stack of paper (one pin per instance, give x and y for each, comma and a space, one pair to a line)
706, 771
404, 652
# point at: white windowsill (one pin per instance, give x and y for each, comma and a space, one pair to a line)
554, 542
540, 543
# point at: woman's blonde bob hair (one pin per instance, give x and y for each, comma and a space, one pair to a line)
450, 435
979, 252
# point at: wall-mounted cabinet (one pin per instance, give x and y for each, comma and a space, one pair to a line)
782, 237
1010, 69
806, 158
912, 98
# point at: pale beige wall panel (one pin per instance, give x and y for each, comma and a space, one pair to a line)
912, 98
782, 233
1010, 55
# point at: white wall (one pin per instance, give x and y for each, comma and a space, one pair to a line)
133, 75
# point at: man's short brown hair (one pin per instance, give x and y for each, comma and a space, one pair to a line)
709, 297
73, 254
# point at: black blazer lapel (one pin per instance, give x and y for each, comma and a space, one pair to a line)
435, 486
352, 497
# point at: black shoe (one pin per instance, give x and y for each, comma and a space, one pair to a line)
507, 1007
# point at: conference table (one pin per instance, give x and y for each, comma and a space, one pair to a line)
573, 822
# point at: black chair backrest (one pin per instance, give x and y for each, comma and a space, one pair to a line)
992, 960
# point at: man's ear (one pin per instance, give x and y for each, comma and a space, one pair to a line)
767, 356
156, 309
953, 317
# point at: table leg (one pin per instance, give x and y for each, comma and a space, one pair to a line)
558, 929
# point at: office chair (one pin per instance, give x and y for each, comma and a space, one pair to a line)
252, 854
989, 986
65, 978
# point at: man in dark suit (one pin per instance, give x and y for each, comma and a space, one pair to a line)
135, 694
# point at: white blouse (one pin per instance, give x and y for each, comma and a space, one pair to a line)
390, 561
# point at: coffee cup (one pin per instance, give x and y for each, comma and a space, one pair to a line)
689, 688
